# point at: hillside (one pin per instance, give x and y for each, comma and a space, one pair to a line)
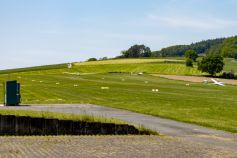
35, 68
169, 66
161, 66
179, 50
228, 48
174, 99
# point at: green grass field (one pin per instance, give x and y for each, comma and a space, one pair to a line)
173, 66
61, 116
131, 61
36, 68
161, 66
230, 64
207, 105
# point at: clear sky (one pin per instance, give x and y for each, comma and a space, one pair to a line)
38, 32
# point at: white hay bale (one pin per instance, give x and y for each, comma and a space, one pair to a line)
105, 88
33, 80
187, 84
57, 83
155, 90
69, 65
75, 85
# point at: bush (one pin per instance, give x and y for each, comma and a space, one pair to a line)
235, 56
104, 58
189, 62
92, 59
229, 75
137, 51
191, 54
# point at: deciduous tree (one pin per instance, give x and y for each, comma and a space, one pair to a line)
211, 64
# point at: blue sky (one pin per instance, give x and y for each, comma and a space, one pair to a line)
38, 32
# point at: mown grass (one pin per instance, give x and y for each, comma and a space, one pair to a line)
130, 61
207, 105
168, 65
61, 116
160, 68
230, 64
36, 68
174, 66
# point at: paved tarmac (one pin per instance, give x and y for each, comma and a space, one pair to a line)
184, 131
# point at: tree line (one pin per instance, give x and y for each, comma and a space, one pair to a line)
179, 50
226, 47
213, 51
136, 51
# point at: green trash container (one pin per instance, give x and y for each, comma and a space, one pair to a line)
12, 93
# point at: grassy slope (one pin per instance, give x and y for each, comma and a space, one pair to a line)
36, 68
230, 64
170, 65
60, 116
174, 66
207, 105
202, 104
131, 61
162, 66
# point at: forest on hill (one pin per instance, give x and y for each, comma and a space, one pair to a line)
227, 47
179, 50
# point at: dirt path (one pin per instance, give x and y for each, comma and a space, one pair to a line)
188, 133
195, 78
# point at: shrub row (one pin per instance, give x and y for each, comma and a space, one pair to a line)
229, 75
